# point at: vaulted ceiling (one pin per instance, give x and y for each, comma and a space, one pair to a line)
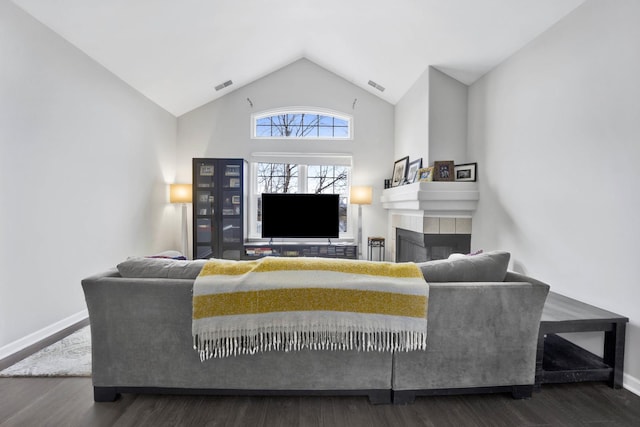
176, 51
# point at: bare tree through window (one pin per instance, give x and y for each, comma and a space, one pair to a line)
296, 125
277, 178
302, 125
327, 179
284, 178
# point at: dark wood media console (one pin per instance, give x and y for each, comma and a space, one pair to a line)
323, 250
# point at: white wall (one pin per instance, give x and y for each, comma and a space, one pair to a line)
412, 122
431, 120
83, 161
447, 118
222, 127
556, 129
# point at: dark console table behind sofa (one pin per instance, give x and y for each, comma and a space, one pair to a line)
560, 361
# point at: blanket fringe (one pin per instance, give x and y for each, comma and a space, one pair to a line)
226, 343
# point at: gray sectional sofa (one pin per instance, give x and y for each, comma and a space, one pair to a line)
482, 334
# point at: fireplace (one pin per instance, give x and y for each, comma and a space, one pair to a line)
419, 247
429, 220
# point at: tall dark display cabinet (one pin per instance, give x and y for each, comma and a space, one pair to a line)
219, 203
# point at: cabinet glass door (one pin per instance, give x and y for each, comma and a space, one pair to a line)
218, 211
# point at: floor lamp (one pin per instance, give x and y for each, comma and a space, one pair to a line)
181, 193
360, 195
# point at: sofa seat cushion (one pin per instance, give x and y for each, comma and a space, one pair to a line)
484, 267
142, 267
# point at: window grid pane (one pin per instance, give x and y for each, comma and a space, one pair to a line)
328, 179
277, 178
284, 178
302, 125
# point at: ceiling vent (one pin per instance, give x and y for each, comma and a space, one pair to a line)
376, 85
223, 85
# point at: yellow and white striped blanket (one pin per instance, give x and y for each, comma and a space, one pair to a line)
287, 304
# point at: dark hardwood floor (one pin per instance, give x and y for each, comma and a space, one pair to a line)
69, 402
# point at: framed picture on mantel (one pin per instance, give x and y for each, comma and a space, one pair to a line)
443, 171
414, 166
466, 172
400, 171
425, 174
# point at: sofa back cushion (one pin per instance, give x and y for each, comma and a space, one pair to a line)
164, 268
484, 267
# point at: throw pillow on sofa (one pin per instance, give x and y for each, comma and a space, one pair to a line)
484, 267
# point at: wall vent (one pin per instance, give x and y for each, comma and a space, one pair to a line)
376, 85
223, 85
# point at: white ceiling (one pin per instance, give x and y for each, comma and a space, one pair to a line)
176, 51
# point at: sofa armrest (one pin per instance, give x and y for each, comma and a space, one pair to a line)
512, 276
134, 322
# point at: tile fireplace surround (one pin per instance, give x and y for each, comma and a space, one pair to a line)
428, 208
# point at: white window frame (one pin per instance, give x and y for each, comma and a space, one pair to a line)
302, 110
303, 160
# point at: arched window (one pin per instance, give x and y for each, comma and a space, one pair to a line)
298, 123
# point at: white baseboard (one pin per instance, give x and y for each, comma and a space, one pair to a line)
631, 383
42, 334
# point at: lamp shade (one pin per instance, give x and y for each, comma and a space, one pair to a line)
361, 195
180, 193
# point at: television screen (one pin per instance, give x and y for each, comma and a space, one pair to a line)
300, 215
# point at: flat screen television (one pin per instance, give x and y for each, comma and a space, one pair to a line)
300, 215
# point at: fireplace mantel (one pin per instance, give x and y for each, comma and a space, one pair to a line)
458, 199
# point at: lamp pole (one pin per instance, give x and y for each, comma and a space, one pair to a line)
185, 232
359, 231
